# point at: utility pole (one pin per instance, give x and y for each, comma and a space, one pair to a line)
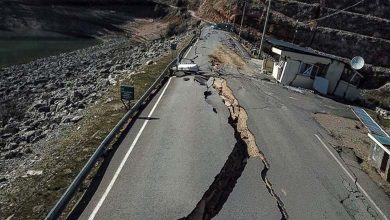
264, 29
234, 18
230, 11
242, 20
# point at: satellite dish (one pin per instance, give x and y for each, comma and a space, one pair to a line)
357, 62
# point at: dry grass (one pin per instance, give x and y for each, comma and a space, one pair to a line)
348, 132
31, 197
226, 56
351, 134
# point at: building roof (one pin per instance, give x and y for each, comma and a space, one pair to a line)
289, 46
366, 119
283, 45
377, 134
385, 141
381, 141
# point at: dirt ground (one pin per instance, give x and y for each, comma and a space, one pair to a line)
352, 139
144, 29
226, 56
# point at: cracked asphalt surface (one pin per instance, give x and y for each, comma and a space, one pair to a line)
187, 142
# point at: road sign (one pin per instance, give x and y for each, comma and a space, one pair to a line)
173, 46
127, 93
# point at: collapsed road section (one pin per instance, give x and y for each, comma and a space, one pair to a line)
224, 183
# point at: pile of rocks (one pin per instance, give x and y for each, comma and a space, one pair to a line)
383, 113
41, 96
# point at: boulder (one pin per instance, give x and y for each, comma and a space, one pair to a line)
12, 127
78, 95
119, 67
13, 154
11, 146
76, 119
6, 135
29, 135
149, 62
44, 108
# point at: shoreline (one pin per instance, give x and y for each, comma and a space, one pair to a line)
24, 49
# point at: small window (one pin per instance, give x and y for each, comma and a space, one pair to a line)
356, 80
322, 68
351, 76
312, 70
305, 69
347, 74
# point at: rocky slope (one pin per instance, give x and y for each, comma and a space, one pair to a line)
39, 97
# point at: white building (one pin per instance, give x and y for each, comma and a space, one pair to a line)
380, 143
302, 67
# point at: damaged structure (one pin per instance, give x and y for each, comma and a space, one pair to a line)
302, 67
380, 151
380, 143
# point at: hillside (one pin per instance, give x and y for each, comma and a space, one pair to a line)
363, 29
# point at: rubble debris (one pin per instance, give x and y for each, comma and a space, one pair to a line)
383, 113
295, 89
202, 80
34, 172
179, 73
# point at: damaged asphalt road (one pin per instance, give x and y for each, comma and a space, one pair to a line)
303, 178
229, 147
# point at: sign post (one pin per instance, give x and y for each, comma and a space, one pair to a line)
173, 48
127, 93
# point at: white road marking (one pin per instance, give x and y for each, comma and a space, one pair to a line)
97, 207
191, 48
352, 178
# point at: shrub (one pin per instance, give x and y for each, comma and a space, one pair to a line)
176, 27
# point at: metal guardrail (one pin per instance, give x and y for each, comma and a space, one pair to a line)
61, 204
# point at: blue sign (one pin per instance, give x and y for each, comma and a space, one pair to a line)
127, 93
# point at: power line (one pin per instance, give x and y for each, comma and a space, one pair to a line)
337, 12
242, 20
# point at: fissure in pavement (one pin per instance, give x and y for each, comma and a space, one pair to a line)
223, 184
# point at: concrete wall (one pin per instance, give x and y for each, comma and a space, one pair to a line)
349, 92
268, 65
387, 172
303, 82
289, 71
376, 155
277, 71
333, 74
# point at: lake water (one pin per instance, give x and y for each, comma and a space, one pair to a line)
20, 50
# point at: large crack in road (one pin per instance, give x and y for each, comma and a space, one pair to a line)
239, 114
224, 183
